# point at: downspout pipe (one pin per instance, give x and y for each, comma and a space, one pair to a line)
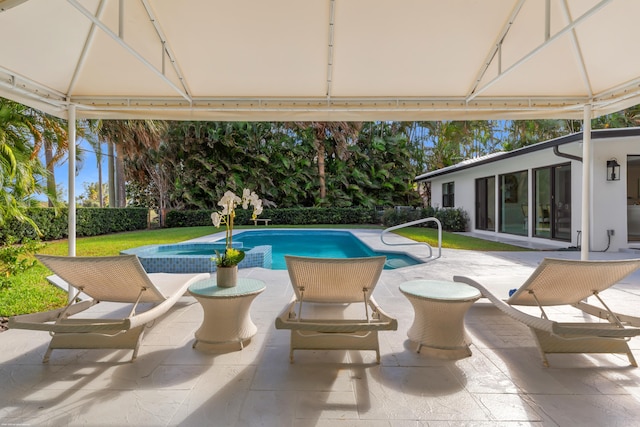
557, 152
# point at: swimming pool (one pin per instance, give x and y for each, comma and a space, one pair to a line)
263, 248
316, 243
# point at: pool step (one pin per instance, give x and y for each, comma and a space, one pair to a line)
397, 263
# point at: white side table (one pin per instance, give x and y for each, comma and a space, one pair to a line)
439, 308
226, 311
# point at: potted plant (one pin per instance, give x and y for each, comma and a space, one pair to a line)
227, 261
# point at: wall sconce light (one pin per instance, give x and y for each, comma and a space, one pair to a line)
613, 170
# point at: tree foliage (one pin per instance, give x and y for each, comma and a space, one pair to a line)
322, 164
22, 175
90, 198
133, 141
191, 164
199, 161
330, 140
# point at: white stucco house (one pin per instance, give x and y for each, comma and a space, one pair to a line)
535, 193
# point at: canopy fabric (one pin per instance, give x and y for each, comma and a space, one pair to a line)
321, 60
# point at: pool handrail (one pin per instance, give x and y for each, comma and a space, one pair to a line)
416, 222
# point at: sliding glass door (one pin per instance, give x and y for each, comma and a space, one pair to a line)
486, 203
542, 202
552, 201
562, 202
633, 198
514, 209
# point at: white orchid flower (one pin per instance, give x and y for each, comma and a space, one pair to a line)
216, 218
228, 202
247, 198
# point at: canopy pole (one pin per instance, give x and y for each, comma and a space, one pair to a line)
586, 183
71, 222
72, 180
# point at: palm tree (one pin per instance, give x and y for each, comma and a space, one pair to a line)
621, 119
130, 137
54, 137
111, 171
338, 133
20, 168
444, 146
96, 144
521, 133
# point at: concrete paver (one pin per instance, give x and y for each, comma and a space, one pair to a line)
502, 383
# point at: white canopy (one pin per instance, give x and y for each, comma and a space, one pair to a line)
321, 59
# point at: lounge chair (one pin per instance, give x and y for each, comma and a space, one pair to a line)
333, 307
568, 282
119, 279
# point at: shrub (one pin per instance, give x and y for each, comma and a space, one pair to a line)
289, 216
14, 258
89, 222
451, 219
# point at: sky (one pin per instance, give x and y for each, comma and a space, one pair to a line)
88, 171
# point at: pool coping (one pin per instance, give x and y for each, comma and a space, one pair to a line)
259, 256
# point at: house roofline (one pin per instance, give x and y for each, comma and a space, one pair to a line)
574, 137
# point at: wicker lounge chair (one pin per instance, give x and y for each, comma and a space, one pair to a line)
569, 282
119, 279
333, 307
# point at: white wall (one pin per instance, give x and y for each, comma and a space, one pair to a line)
608, 202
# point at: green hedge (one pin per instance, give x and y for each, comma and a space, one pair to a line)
288, 216
451, 219
89, 222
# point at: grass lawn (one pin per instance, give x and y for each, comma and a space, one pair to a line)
29, 292
454, 241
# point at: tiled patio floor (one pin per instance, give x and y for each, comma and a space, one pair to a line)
502, 383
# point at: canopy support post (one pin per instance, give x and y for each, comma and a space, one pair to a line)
71, 120
586, 183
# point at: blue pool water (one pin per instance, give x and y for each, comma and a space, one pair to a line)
263, 248
316, 243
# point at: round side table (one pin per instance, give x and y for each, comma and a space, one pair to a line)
226, 311
439, 308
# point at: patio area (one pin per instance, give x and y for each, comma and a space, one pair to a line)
170, 383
